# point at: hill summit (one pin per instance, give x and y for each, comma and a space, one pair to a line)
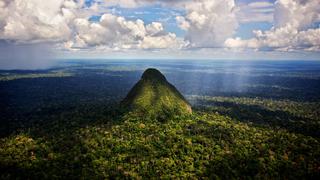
154, 95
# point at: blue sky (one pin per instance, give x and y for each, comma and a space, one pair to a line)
197, 29
252, 16
166, 15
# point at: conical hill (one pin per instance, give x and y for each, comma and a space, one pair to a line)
154, 95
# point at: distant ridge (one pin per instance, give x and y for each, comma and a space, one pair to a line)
154, 95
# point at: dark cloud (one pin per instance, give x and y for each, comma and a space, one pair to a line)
25, 56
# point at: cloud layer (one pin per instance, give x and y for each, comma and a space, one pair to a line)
261, 11
67, 24
294, 28
36, 20
117, 32
208, 23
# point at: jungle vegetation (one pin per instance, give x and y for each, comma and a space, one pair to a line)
74, 128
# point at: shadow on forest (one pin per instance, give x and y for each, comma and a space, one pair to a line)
26, 103
262, 116
59, 129
59, 118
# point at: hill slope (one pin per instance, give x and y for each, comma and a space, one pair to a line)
154, 95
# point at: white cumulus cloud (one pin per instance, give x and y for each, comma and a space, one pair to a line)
261, 11
36, 20
293, 29
118, 33
208, 23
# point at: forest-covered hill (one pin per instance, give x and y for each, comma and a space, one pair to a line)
72, 127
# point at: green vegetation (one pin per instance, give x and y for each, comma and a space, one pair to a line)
301, 117
192, 146
14, 76
155, 96
301, 109
70, 128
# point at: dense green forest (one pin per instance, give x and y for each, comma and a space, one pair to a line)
72, 127
205, 144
